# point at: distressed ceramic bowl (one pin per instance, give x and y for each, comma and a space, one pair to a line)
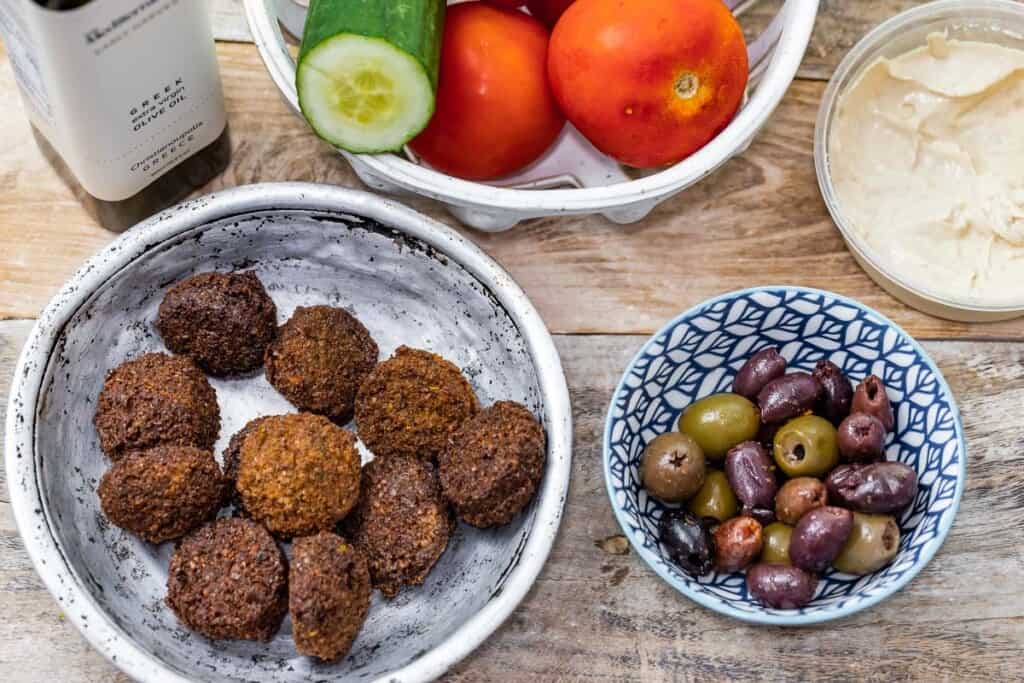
411, 281
699, 353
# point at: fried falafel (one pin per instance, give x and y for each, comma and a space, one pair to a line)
162, 493
229, 580
402, 522
223, 321
412, 403
298, 474
491, 467
319, 359
328, 594
156, 399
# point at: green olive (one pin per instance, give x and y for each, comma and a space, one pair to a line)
776, 543
719, 422
672, 467
873, 542
806, 447
715, 498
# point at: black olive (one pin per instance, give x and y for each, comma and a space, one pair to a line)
688, 541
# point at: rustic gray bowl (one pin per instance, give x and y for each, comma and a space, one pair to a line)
411, 281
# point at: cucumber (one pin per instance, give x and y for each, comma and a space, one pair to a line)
367, 71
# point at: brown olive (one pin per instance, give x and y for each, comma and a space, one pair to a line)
837, 392
775, 549
672, 468
737, 543
806, 447
781, 586
819, 536
715, 498
719, 422
799, 496
861, 437
870, 398
788, 396
761, 368
873, 542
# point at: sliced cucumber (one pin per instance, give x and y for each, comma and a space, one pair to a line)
367, 71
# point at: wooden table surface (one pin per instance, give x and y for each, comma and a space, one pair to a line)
602, 288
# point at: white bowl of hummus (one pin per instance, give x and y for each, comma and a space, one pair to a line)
919, 149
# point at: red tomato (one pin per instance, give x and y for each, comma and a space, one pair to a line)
495, 111
649, 82
548, 11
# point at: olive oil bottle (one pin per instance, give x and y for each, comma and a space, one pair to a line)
124, 98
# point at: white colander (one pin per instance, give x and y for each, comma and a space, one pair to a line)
572, 177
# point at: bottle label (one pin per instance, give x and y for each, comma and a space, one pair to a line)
124, 90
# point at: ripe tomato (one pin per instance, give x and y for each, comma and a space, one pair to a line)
495, 111
649, 82
548, 11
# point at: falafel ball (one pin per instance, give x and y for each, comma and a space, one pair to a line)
156, 399
162, 493
228, 580
298, 474
319, 359
412, 403
402, 521
492, 466
328, 594
223, 321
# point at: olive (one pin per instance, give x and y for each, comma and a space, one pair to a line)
751, 475
788, 396
775, 548
799, 496
861, 437
819, 536
781, 586
763, 515
719, 422
688, 540
870, 398
873, 542
879, 487
672, 467
715, 498
806, 447
761, 368
737, 543
836, 394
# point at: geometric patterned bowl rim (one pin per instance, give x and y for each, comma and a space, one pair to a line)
766, 617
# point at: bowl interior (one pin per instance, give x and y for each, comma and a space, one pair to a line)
700, 352
992, 21
405, 293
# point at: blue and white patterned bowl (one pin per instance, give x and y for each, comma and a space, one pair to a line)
699, 353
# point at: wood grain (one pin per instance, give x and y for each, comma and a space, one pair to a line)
595, 615
759, 220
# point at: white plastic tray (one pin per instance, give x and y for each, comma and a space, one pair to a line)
572, 177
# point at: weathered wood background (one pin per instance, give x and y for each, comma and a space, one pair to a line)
595, 615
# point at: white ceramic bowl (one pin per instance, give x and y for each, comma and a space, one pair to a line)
573, 177
999, 21
410, 280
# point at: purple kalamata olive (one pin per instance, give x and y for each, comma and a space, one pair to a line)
861, 437
877, 487
688, 541
788, 396
870, 398
780, 585
738, 542
751, 474
836, 394
761, 368
819, 536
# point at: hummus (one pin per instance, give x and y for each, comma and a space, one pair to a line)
927, 159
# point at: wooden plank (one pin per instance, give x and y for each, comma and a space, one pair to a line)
597, 616
759, 220
839, 26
